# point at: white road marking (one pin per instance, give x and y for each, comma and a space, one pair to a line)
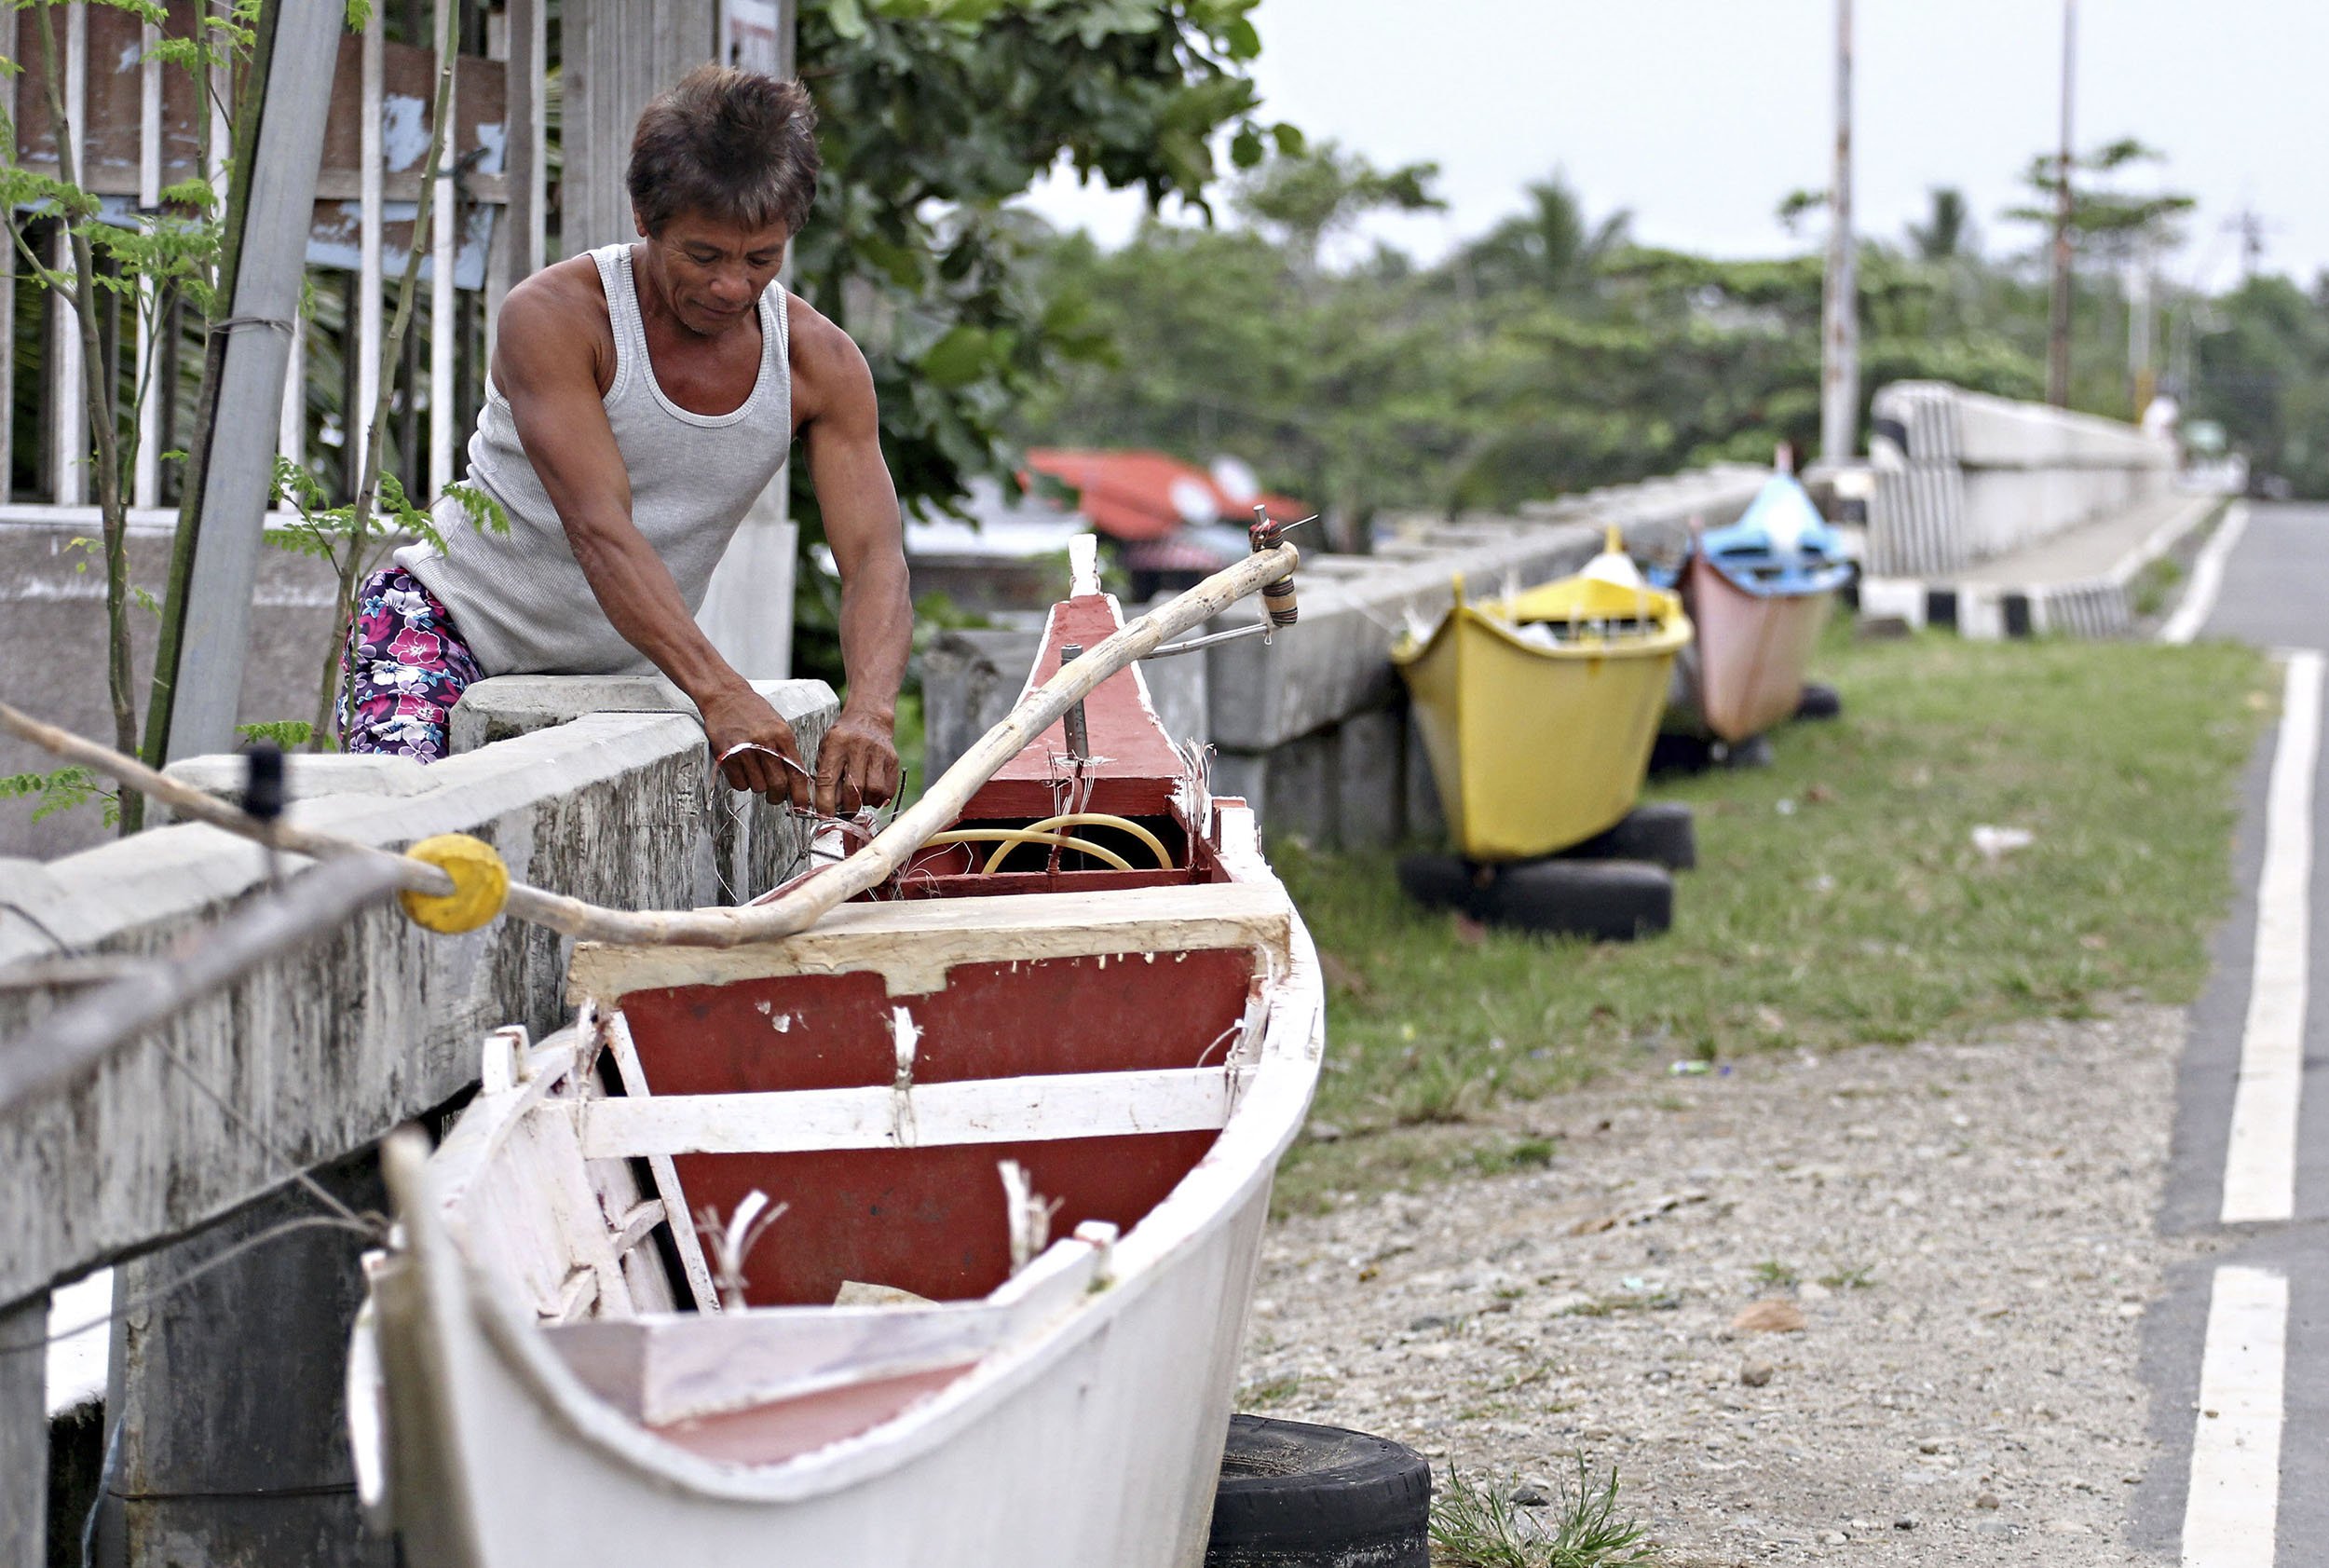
2260, 1163
2207, 579
2230, 1515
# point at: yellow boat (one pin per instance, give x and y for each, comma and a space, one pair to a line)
1538, 710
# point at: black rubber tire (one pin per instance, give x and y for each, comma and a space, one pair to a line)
1819, 701
1675, 752
1441, 881
1294, 1495
1661, 831
1601, 900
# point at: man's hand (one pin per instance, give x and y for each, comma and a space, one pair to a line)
738, 715
857, 764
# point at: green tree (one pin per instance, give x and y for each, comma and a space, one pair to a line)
932, 114
2264, 374
1948, 231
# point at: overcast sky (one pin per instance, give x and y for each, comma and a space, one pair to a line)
1700, 115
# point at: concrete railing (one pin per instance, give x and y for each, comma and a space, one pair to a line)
1312, 727
1963, 477
320, 1052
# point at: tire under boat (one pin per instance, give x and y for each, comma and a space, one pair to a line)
545, 1373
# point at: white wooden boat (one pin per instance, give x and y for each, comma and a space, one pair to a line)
920, 1088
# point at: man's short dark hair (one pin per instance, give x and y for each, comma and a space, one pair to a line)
734, 145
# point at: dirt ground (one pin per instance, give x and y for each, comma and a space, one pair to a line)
1964, 1232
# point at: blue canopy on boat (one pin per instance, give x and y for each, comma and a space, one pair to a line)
1780, 546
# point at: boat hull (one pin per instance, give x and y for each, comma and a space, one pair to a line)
1745, 672
1102, 1447
1095, 1440
1533, 749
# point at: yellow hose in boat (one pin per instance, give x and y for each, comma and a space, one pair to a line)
1099, 819
1012, 837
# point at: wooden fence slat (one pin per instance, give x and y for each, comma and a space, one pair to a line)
291, 436
369, 222
68, 418
444, 231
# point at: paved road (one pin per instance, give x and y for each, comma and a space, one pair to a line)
2237, 1355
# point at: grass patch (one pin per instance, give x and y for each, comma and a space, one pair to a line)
2154, 585
1839, 898
1479, 1522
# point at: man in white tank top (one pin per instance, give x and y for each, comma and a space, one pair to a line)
641, 398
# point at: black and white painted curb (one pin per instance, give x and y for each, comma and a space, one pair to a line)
2100, 606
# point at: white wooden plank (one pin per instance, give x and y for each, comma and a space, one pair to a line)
913, 943
145, 488
534, 249
149, 118
370, 217
290, 437
68, 425
683, 1229
69, 432
221, 117
929, 1115
444, 301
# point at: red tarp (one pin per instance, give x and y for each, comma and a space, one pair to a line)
1130, 495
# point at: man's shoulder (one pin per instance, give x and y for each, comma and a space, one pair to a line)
567, 293
827, 361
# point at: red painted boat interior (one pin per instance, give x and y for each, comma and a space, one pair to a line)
931, 1220
1134, 766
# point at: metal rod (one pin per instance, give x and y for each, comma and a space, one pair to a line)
1193, 644
1072, 721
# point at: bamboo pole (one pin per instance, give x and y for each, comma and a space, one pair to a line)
806, 904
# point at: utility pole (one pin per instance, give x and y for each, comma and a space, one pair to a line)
1839, 327
2058, 342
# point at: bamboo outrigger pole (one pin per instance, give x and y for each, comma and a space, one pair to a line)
796, 910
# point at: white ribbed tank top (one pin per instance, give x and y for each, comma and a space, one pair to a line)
520, 599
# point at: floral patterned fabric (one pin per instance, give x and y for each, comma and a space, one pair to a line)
403, 668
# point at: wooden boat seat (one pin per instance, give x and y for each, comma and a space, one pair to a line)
912, 944
923, 1116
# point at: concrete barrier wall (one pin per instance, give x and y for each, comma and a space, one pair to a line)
1963, 477
53, 649
326, 1050
1312, 727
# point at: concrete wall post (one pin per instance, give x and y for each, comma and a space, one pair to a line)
229, 1391
24, 1433
1371, 772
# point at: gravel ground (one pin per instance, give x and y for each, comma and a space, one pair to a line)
1965, 1230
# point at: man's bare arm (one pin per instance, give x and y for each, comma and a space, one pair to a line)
841, 427
544, 363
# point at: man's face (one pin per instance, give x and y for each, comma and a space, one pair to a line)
712, 272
